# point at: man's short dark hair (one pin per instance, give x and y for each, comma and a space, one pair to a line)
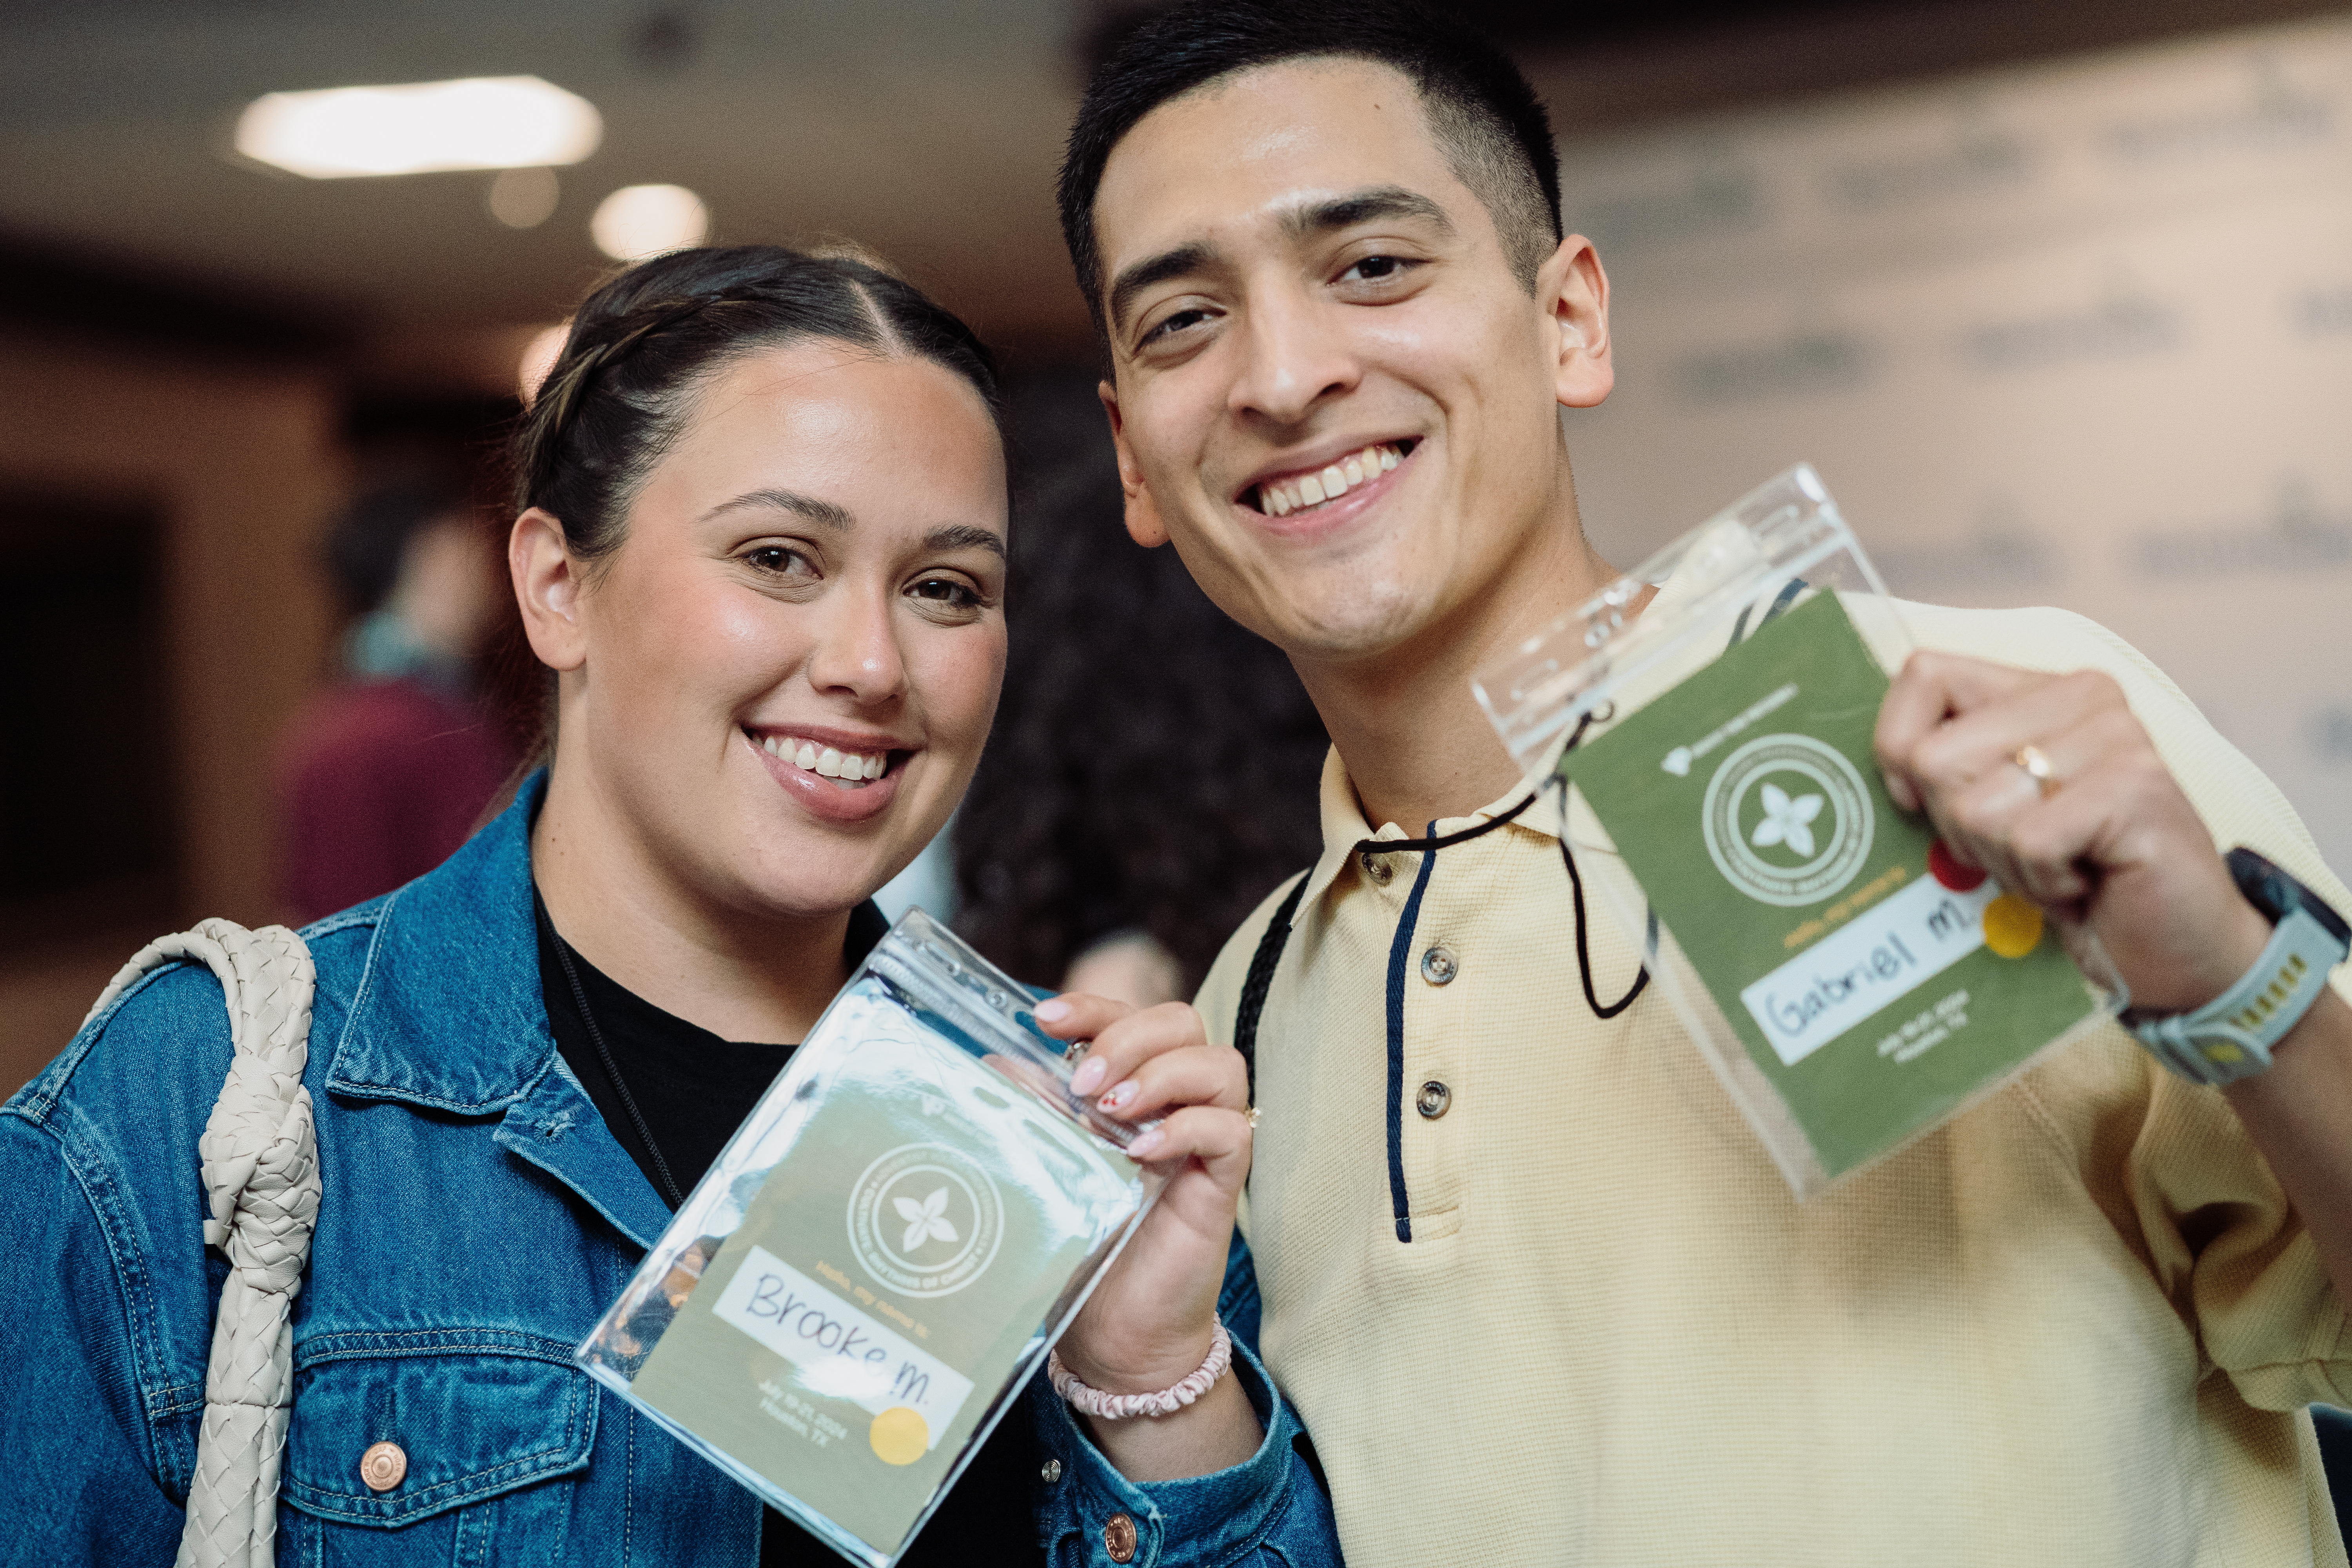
1493, 128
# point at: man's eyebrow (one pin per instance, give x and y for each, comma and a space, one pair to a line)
1372, 205
1154, 269
964, 536
1309, 218
824, 513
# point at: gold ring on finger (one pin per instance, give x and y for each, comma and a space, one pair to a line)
2037, 767
1252, 1117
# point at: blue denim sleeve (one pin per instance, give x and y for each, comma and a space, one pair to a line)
1271, 1509
77, 1437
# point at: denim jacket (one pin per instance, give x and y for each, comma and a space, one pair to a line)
478, 1217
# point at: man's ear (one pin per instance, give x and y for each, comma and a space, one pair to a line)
1575, 294
1143, 523
547, 586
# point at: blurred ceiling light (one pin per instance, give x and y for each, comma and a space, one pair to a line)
638, 221
538, 357
482, 122
524, 198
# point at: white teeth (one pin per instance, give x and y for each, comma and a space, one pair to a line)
828, 761
1312, 489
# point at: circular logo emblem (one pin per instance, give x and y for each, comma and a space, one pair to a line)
1787, 819
925, 1219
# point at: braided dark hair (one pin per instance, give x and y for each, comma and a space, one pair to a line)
617, 396
641, 345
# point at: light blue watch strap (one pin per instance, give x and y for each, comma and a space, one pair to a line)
2231, 1037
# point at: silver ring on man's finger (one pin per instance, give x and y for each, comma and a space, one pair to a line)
2036, 763
1252, 1117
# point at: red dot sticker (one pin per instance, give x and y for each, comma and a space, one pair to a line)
1950, 871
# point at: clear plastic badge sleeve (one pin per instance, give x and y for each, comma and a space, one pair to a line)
1851, 983
853, 1296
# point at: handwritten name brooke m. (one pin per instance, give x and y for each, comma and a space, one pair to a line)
840, 1351
1842, 979
773, 1297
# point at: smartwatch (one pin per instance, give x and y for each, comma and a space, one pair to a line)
2231, 1037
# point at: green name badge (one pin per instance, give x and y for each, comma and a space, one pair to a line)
847, 1304
1874, 983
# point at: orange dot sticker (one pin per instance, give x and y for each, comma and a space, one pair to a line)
2011, 926
899, 1435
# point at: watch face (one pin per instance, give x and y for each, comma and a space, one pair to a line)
2278, 895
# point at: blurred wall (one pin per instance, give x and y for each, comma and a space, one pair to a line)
241, 463
2075, 334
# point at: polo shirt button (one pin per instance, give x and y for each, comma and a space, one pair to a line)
1377, 868
383, 1466
1052, 1472
1118, 1538
1438, 966
1433, 1100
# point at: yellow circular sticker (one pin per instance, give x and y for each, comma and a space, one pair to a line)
2011, 926
899, 1435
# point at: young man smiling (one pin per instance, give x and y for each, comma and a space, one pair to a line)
1535, 1288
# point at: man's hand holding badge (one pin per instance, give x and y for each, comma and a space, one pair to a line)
2050, 784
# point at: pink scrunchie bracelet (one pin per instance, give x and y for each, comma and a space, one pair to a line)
1167, 1401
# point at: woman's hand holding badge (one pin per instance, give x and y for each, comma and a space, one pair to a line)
1150, 1323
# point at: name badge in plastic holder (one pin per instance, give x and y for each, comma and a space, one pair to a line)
1852, 984
854, 1294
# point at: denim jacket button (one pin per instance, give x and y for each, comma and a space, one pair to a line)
1052, 1471
1118, 1538
383, 1466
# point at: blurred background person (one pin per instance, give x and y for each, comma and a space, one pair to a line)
1152, 771
384, 774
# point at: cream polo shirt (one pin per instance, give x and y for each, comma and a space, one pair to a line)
2078, 1325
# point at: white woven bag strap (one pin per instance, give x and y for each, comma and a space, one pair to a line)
260, 1158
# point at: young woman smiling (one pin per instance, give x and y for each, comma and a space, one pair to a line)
760, 552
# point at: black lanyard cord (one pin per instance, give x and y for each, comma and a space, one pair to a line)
1415, 845
1583, 949
612, 1067
1262, 963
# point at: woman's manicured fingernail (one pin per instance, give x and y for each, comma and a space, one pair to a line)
1090, 1073
1144, 1147
1121, 1095
1053, 1011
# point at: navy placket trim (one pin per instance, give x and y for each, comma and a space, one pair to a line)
1399, 956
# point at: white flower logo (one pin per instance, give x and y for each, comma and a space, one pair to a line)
907, 1242
925, 1221
1802, 850
1785, 822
